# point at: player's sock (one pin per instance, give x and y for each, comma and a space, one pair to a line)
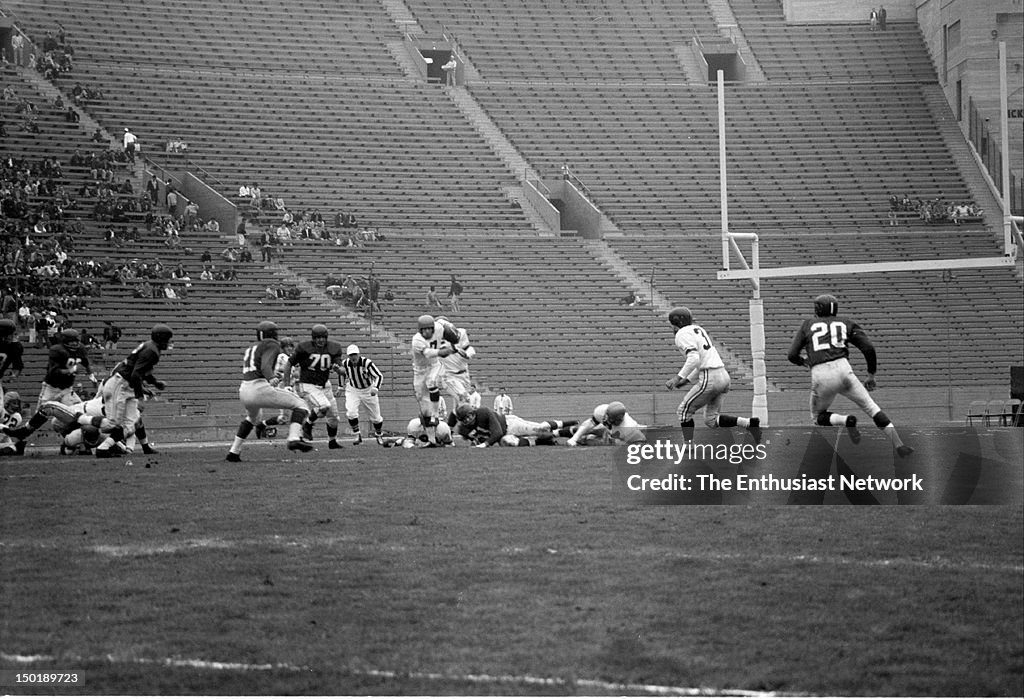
837, 420
688, 428
244, 429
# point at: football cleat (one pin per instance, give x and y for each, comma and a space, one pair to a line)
851, 429
148, 449
754, 428
357, 439
334, 444
307, 431
233, 457
299, 445
380, 439
105, 454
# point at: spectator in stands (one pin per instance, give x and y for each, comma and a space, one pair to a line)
172, 198
130, 142
449, 71
881, 18
111, 334
433, 301
18, 48
267, 243
873, 18
454, 294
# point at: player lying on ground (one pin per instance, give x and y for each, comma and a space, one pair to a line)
610, 424
489, 428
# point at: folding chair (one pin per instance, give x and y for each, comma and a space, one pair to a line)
978, 409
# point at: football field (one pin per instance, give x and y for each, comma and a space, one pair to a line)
499, 571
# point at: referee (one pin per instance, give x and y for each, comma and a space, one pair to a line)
362, 386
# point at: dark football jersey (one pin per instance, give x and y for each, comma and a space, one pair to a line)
827, 339
11, 356
260, 359
315, 364
62, 365
137, 367
489, 425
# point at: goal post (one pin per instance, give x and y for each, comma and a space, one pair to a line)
753, 273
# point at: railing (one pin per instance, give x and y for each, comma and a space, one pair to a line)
990, 151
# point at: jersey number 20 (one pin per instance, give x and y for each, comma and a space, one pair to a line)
825, 335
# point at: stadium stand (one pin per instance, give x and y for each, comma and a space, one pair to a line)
306, 99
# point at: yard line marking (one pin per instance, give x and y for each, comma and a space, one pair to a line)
472, 678
164, 548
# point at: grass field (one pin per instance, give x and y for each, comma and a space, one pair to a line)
500, 571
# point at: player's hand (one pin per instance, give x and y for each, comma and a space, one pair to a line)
481, 445
870, 384
159, 385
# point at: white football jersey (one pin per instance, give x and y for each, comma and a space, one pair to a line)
698, 349
422, 362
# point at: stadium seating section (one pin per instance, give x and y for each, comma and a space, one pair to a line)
307, 99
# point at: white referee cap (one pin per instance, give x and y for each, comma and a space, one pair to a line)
352, 349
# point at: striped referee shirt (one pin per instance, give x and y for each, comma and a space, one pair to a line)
361, 373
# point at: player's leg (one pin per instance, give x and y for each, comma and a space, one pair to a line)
855, 391
47, 393
696, 398
124, 415
719, 382
246, 426
143, 437
317, 404
279, 398
826, 383
428, 397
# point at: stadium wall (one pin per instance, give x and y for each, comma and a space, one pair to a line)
837, 11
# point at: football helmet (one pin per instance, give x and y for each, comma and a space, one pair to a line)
465, 413
266, 329
426, 323
70, 338
614, 414
287, 343
319, 335
826, 305
7, 328
161, 334
12, 402
680, 317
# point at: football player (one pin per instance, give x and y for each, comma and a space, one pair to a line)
825, 339
65, 357
611, 424
128, 385
11, 352
316, 358
259, 389
489, 428
268, 426
362, 388
11, 418
457, 384
704, 368
416, 436
428, 378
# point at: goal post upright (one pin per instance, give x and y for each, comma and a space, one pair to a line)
754, 273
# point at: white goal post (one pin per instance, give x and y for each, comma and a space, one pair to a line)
754, 273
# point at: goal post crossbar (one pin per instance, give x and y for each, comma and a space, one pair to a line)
755, 274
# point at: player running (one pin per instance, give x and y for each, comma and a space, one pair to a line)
705, 369
428, 373
259, 389
825, 338
316, 358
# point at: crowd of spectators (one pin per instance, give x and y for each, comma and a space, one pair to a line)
933, 210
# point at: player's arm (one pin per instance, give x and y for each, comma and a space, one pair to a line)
859, 339
682, 377
585, 428
84, 363
142, 373
797, 346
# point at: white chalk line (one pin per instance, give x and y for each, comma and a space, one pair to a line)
470, 678
352, 543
